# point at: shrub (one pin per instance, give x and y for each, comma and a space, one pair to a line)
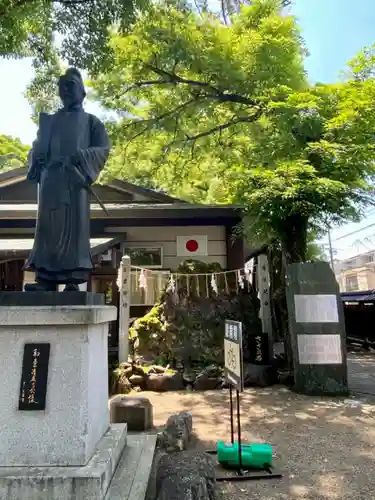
189, 324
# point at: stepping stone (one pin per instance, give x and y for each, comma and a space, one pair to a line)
135, 411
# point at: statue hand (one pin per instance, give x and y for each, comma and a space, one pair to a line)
74, 158
41, 159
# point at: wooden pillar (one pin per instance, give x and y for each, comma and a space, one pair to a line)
265, 301
124, 308
235, 247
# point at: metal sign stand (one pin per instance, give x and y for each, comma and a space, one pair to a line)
234, 374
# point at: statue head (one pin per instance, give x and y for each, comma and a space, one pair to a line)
71, 89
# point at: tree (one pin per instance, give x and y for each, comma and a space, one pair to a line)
51, 31
13, 153
177, 65
225, 111
29, 28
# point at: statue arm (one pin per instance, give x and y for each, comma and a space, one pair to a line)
91, 161
35, 163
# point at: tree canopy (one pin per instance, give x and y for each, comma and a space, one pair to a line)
13, 153
51, 31
223, 112
30, 27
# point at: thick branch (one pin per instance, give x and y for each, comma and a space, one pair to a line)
146, 84
214, 92
220, 128
161, 117
169, 113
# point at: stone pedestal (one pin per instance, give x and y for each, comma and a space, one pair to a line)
49, 450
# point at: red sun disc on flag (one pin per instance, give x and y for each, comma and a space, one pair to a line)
192, 245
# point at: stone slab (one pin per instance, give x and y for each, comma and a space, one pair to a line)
134, 472
56, 315
22, 299
76, 415
315, 312
90, 482
135, 411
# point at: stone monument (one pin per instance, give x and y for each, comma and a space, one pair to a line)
317, 329
55, 438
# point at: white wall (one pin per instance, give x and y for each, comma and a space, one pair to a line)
165, 237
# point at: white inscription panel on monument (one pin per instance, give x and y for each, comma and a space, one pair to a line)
319, 349
316, 308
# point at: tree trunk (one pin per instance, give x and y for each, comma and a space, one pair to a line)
277, 283
293, 236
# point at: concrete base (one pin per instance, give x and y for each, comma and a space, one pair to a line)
22, 299
90, 482
134, 476
76, 416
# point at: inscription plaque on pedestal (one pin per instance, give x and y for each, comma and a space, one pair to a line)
33, 389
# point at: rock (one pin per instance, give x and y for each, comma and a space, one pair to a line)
189, 376
203, 383
165, 382
127, 371
156, 369
177, 432
213, 371
209, 378
186, 476
125, 365
138, 370
259, 375
140, 360
123, 385
137, 380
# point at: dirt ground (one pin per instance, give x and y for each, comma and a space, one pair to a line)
325, 448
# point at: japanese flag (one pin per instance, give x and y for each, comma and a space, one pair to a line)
191, 246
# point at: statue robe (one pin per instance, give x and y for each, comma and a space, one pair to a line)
68, 139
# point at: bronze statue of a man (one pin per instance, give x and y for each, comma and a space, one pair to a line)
70, 151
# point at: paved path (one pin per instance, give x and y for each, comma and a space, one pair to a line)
361, 373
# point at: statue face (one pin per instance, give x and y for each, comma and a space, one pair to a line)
71, 92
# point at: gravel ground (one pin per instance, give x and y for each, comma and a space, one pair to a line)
325, 448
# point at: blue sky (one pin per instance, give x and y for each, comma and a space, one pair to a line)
334, 31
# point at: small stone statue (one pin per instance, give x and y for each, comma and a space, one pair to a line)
70, 151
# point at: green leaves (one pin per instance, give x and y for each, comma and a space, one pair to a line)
187, 84
28, 28
13, 153
222, 112
76, 31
